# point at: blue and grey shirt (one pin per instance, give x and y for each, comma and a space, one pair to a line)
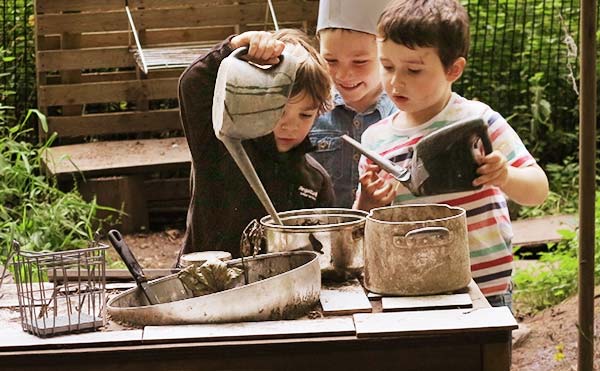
339, 159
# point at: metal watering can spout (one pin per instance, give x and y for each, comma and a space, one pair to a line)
248, 102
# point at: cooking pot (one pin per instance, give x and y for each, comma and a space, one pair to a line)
337, 234
416, 250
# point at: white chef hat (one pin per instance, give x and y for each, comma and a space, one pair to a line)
357, 15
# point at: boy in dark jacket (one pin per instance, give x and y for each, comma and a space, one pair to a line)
222, 202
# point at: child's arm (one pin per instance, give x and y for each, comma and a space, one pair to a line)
374, 190
526, 185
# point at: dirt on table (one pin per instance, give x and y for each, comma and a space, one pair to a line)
550, 345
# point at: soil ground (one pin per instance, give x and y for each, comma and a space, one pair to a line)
550, 345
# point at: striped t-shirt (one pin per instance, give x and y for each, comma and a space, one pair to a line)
489, 226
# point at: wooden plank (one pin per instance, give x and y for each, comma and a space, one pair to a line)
345, 299
16, 339
537, 231
252, 13
117, 157
434, 322
168, 36
114, 123
80, 59
105, 92
496, 356
118, 76
70, 75
210, 35
50, 24
124, 193
251, 330
116, 274
57, 6
404, 303
329, 353
167, 189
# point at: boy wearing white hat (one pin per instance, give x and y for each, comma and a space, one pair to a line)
346, 30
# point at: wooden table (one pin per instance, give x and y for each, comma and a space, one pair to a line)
477, 338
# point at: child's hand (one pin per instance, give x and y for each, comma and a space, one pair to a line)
493, 170
374, 191
262, 47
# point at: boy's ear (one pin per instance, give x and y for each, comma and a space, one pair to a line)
456, 69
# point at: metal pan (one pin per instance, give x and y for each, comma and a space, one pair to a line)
283, 285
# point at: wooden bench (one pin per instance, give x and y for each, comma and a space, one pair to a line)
542, 230
117, 127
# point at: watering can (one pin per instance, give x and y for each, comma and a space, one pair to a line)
248, 101
444, 161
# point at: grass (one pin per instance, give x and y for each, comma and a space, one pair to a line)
33, 211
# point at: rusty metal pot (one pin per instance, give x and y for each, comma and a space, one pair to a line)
416, 250
337, 234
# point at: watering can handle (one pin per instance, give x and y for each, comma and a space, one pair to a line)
243, 50
485, 139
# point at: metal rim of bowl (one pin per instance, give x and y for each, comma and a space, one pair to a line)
360, 215
460, 213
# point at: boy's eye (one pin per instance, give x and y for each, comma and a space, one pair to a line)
306, 115
330, 61
388, 68
413, 71
360, 63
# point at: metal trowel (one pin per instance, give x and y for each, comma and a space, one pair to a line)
116, 239
444, 161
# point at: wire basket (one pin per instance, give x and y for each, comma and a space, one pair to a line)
61, 292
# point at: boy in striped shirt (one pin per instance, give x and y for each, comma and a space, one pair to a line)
422, 47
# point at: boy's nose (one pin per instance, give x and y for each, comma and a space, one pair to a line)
285, 123
397, 82
342, 73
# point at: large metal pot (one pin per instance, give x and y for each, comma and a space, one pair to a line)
416, 250
337, 234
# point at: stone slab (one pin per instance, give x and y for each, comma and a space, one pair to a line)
403, 303
450, 321
252, 330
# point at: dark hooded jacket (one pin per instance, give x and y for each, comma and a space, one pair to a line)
222, 202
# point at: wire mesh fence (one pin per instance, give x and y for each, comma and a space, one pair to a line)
523, 62
17, 53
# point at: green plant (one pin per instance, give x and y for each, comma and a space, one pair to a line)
563, 180
522, 62
555, 278
33, 210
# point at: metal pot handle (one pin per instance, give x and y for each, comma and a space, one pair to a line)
426, 236
251, 238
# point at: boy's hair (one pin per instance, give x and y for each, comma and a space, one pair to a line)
441, 24
312, 76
